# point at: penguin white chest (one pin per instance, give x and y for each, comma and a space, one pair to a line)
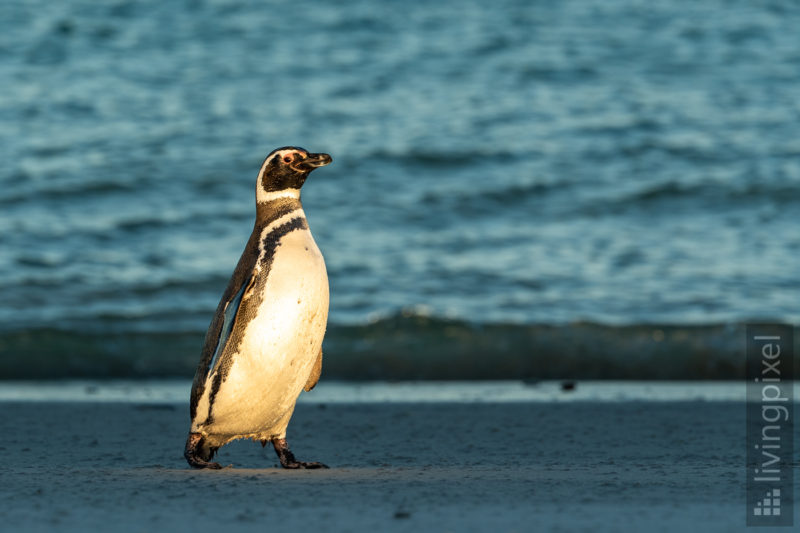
280, 344
290, 321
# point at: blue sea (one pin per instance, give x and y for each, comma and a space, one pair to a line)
520, 189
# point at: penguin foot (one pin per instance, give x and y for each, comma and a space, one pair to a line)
287, 457
198, 455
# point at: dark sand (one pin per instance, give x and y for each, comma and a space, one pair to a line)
407, 467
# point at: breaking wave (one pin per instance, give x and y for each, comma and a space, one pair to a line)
410, 346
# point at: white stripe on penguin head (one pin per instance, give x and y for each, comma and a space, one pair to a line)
267, 196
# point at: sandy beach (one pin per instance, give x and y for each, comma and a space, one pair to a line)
524, 466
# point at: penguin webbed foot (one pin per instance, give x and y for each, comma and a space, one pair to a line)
288, 460
198, 455
304, 464
196, 462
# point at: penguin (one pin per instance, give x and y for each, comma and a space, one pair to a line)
264, 344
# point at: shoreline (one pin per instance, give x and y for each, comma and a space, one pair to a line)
336, 392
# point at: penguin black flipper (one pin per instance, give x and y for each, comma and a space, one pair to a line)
216, 338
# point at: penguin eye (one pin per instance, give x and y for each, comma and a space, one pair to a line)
287, 159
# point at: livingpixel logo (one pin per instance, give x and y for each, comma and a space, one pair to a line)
770, 425
770, 505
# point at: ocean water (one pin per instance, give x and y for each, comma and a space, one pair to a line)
591, 189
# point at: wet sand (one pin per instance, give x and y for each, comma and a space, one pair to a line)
605, 466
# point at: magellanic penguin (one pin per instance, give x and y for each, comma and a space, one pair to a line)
264, 344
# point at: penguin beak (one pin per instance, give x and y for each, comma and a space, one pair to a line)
312, 161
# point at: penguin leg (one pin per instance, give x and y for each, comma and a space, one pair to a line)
287, 457
197, 454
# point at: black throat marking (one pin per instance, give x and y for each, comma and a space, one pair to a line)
248, 308
269, 212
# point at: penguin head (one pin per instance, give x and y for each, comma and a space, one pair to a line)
287, 169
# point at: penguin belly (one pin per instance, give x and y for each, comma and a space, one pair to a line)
278, 349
